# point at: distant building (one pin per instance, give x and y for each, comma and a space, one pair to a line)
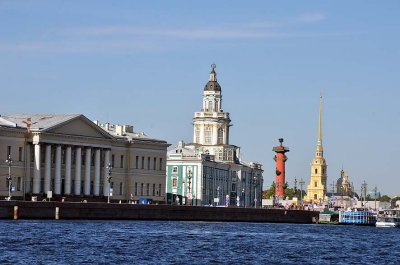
316, 190
209, 170
69, 155
343, 185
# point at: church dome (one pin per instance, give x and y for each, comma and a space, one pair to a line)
212, 86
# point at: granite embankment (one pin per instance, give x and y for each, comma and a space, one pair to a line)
115, 211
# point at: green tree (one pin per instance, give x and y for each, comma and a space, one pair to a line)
269, 192
384, 198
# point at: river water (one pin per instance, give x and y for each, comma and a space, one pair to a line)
157, 242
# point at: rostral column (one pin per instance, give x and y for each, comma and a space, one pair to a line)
280, 159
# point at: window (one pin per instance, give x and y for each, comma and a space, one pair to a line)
207, 135
137, 162
154, 163
161, 163
220, 136
136, 188
141, 188
148, 189
316, 171
323, 171
142, 162
197, 135
120, 188
20, 154
315, 184
174, 183
315, 196
233, 187
112, 160
8, 151
174, 169
19, 184
154, 189
159, 190
148, 163
122, 162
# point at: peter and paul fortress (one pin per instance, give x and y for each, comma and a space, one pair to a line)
316, 190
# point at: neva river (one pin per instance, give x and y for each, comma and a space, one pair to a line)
154, 242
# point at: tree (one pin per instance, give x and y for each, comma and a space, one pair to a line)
269, 192
384, 198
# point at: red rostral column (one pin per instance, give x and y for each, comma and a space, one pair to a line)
280, 159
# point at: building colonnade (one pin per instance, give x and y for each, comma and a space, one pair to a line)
72, 172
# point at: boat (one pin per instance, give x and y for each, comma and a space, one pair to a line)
328, 217
357, 217
388, 218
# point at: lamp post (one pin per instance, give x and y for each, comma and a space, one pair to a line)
109, 167
255, 191
9, 162
189, 177
243, 198
218, 188
301, 182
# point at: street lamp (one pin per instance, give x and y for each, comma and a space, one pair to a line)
255, 191
218, 188
9, 162
301, 182
243, 198
109, 167
189, 177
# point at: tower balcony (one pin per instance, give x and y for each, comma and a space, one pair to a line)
224, 115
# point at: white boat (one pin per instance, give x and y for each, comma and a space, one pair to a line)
388, 218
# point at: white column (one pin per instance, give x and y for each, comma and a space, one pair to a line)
87, 170
105, 182
57, 179
28, 179
47, 169
96, 186
78, 165
67, 183
36, 173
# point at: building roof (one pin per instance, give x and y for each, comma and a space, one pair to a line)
36, 122
212, 86
126, 132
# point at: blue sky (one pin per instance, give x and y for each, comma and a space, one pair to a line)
146, 63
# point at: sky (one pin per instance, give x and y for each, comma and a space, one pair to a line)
145, 63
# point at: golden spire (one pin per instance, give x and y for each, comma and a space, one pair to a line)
319, 150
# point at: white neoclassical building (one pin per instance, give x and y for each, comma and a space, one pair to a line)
69, 155
210, 170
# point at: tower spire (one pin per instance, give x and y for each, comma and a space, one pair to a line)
319, 149
213, 74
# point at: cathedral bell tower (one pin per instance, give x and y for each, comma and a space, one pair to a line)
316, 190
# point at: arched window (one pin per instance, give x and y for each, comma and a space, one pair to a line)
220, 136
210, 106
207, 135
315, 196
315, 184
316, 171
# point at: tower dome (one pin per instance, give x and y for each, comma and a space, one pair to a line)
212, 84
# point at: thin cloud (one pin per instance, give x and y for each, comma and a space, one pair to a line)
121, 38
311, 18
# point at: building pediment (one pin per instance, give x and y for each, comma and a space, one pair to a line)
78, 126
